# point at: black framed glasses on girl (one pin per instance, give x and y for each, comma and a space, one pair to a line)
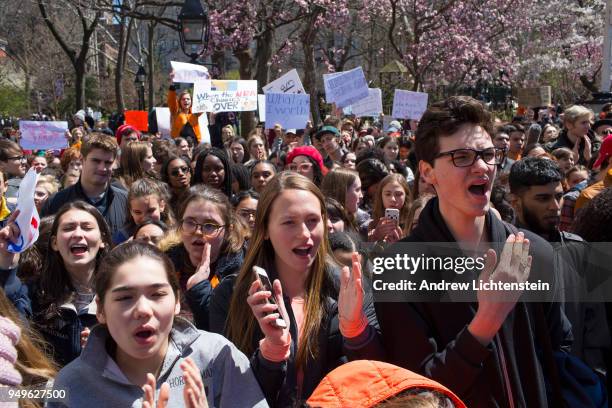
179, 170
467, 157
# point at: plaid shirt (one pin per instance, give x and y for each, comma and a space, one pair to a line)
567, 210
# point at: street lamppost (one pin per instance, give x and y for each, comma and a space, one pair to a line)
194, 29
141, 78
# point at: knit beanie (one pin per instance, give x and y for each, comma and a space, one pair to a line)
308, 151
9, 337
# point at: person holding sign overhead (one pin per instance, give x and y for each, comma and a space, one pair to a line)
180, 112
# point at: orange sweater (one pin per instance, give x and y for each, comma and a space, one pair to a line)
179, 119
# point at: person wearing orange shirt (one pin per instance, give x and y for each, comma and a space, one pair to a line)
180, 113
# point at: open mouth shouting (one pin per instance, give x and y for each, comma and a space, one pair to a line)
304, 251
479, 188
144, 335
79, 249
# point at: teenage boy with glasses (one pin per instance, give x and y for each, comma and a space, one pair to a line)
485, 351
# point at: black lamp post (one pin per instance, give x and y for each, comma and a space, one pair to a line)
194, 29
141, 78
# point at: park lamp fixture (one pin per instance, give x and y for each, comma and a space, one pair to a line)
141, 76
194, 28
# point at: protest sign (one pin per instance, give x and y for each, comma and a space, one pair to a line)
28, 219
261, 107
164, 126
288, 83
369, 106
188, 73
345, 88
138, 119
203, 125
535, 97
409, 105
43, 135
224, 96
290, 110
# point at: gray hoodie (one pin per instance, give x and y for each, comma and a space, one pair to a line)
95, 380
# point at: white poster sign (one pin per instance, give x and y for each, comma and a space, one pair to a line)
261, 107
370, 106
288, 83
290, 110
345, 88
43, 135
163, 121
409, 105
224, 96
188, 73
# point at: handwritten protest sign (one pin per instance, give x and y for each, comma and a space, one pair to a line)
163, 121
261, 107
535, 97
369, 106
290, 110
345, 88
138, 119
288, 83
224, 96
409, 105
43, 135
188, 73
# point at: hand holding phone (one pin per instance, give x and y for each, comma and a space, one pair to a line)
392, 214
262, 276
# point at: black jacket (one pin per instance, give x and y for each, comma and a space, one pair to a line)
432, 338
279, 381
564, 141
114, 206
198, 297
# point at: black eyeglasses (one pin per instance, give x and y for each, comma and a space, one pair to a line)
208, 228
179, 170
20, 158
467, 157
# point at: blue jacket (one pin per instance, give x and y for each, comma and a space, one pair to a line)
16, 291
114, 210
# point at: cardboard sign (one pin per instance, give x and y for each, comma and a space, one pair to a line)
535, 97
409, 105
138, 119
164, 126
290, 110
224, 96
370, 106
261, 107
43, 135
288, 83
204, 132
28, 219
188, 73
345, 88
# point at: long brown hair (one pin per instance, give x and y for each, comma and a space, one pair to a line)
241, 323
379, 208
132, 157
32, 363
335, 185
54, 287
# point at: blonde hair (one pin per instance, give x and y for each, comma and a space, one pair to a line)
241, 324
50, 183
379, 208
576, 112
33, 363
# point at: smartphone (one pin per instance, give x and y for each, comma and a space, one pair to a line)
392, 214
262, 276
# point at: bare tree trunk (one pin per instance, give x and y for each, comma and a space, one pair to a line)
310, 81
262, 58
119, 68
151, 34
245, 59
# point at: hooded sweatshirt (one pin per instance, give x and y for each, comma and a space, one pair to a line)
95, 379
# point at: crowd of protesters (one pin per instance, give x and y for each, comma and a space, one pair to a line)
140, 289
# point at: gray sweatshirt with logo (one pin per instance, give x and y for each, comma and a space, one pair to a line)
95, 380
